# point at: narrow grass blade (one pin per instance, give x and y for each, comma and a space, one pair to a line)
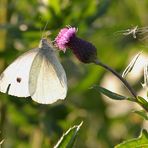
131, 65
68, 138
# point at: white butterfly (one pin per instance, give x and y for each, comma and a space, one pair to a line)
37, 73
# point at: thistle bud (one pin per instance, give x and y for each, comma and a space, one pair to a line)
83, 50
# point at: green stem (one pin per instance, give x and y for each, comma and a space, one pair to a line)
130, 89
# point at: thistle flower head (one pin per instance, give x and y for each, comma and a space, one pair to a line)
83, 50
64, 37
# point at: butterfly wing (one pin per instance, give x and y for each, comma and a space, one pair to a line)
47, 81
14, 80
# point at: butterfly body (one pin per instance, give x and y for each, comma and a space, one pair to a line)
37, 73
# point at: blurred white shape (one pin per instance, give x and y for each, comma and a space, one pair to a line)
145, 84
42, 9
43, 6
121, 130
112, 83
137, 71
1, 141
143, 93
18, 45
131, 65
116, 108
14, 19
132, 31
145, 124
45, 1
23, 27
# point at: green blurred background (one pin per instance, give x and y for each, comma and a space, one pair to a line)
24, 123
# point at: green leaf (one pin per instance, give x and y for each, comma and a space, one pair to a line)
142, 102
131, 65
68, 138
109, 93
142, 113
140, 142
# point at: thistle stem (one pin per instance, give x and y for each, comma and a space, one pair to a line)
130, 89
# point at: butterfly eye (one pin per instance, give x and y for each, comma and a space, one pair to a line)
43, 40
18, 80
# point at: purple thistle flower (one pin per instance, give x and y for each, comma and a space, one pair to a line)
83, 50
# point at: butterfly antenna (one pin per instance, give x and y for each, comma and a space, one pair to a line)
44, 28
40, 19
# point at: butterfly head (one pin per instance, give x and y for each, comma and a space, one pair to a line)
44, 43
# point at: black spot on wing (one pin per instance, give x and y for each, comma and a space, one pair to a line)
18, 79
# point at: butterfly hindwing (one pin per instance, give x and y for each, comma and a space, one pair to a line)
14, 80
48, 84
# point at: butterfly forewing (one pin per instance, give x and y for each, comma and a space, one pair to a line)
38, 74
14, 80
48, 84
